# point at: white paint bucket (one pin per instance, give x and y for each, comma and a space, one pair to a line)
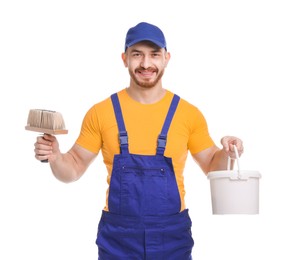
234, 191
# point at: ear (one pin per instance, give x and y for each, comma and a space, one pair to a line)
167, 57
124, 58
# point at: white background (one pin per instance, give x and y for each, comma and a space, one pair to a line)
228, 58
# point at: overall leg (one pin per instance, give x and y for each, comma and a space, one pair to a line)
118, 242
171, 240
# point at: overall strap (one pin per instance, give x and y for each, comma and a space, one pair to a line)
123, 138
162, 139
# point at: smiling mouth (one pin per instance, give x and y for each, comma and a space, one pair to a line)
146, 73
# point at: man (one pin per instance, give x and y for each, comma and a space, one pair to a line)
145, 133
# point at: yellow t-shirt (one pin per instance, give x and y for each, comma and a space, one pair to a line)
143, 122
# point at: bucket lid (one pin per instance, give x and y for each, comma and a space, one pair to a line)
234, 174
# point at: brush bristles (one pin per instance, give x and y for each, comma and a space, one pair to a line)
45, 119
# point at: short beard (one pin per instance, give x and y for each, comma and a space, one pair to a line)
146, 84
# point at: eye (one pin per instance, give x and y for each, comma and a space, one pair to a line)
156, 54
136, 54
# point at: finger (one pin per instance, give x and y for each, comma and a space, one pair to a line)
239, 149
43, 140
41, 157
42, 150
49, 137
239, 146
226, 142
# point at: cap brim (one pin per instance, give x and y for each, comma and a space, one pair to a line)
159, 44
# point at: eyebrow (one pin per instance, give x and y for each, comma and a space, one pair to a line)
154, 50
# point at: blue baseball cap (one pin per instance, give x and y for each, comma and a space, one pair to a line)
145, 32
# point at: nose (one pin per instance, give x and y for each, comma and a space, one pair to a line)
145, 62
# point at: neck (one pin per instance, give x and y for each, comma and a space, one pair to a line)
146, 95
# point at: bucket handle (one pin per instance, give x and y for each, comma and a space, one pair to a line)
237, 161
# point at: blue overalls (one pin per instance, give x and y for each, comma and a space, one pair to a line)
144, 219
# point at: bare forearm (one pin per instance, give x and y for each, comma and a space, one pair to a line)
64, 168
219, 161
215, 159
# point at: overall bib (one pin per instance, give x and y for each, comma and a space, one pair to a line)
144, 219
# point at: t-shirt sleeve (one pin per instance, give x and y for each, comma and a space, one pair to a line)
199, 138
90, 137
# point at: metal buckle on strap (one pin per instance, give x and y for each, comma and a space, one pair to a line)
162, 140
123, 138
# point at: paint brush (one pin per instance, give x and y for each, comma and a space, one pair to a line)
46, 122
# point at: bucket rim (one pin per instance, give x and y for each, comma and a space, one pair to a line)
234, 174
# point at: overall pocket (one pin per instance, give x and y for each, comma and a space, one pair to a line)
143, 191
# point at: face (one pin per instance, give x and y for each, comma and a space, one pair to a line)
146, 63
